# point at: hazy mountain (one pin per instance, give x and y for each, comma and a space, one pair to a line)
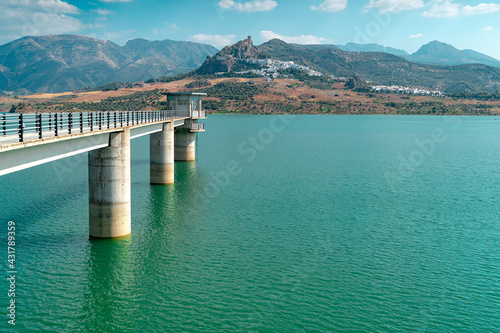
437, 53
434, 53
160, 58
315, 46
67, 62
354, 47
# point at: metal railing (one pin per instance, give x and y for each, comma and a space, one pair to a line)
198, 114
22, 127
197, 127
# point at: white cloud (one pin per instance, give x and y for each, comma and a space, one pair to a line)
214, 40
419, 35
395, 6
442, 9
37, 17
53, 6
448, 8
331, 6
490, 28
103, 12
226, 4
94, 26
483, 8
249, 6
303, 39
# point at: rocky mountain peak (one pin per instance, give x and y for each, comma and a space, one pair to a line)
244, 49
228, 56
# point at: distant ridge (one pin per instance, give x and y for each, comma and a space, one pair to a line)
57, 63
438, 53
354, 47
433, 53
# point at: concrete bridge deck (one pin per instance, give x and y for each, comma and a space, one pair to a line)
28, 140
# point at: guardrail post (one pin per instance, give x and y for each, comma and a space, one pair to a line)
115, 118
39, 120
91, 114
20, 130
4, 126
128, 117
36, 124
109, 116
70, 122
50, 121
56, 124
81, 122
121, 118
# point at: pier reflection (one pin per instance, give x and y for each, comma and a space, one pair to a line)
107, 299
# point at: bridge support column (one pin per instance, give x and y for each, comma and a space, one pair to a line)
161, 154
109, 188
185, 143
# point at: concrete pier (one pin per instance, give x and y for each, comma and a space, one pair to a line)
185, 143
109, 188
161, 152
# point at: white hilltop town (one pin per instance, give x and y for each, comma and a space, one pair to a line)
407, 90
273, 67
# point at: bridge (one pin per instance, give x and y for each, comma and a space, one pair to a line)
31, 139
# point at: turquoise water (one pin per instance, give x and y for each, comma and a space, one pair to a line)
318, 223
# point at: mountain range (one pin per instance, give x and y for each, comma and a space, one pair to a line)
388, 69
68, 62
57, 63
377, 67
433, 53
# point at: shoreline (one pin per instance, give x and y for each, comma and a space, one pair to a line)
350, 114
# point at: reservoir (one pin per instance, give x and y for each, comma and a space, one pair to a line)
284, 223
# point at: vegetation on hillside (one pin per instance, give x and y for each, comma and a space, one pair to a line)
312, 95
143, 100
198, 84
234, 91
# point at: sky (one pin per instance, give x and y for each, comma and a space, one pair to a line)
402, 24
